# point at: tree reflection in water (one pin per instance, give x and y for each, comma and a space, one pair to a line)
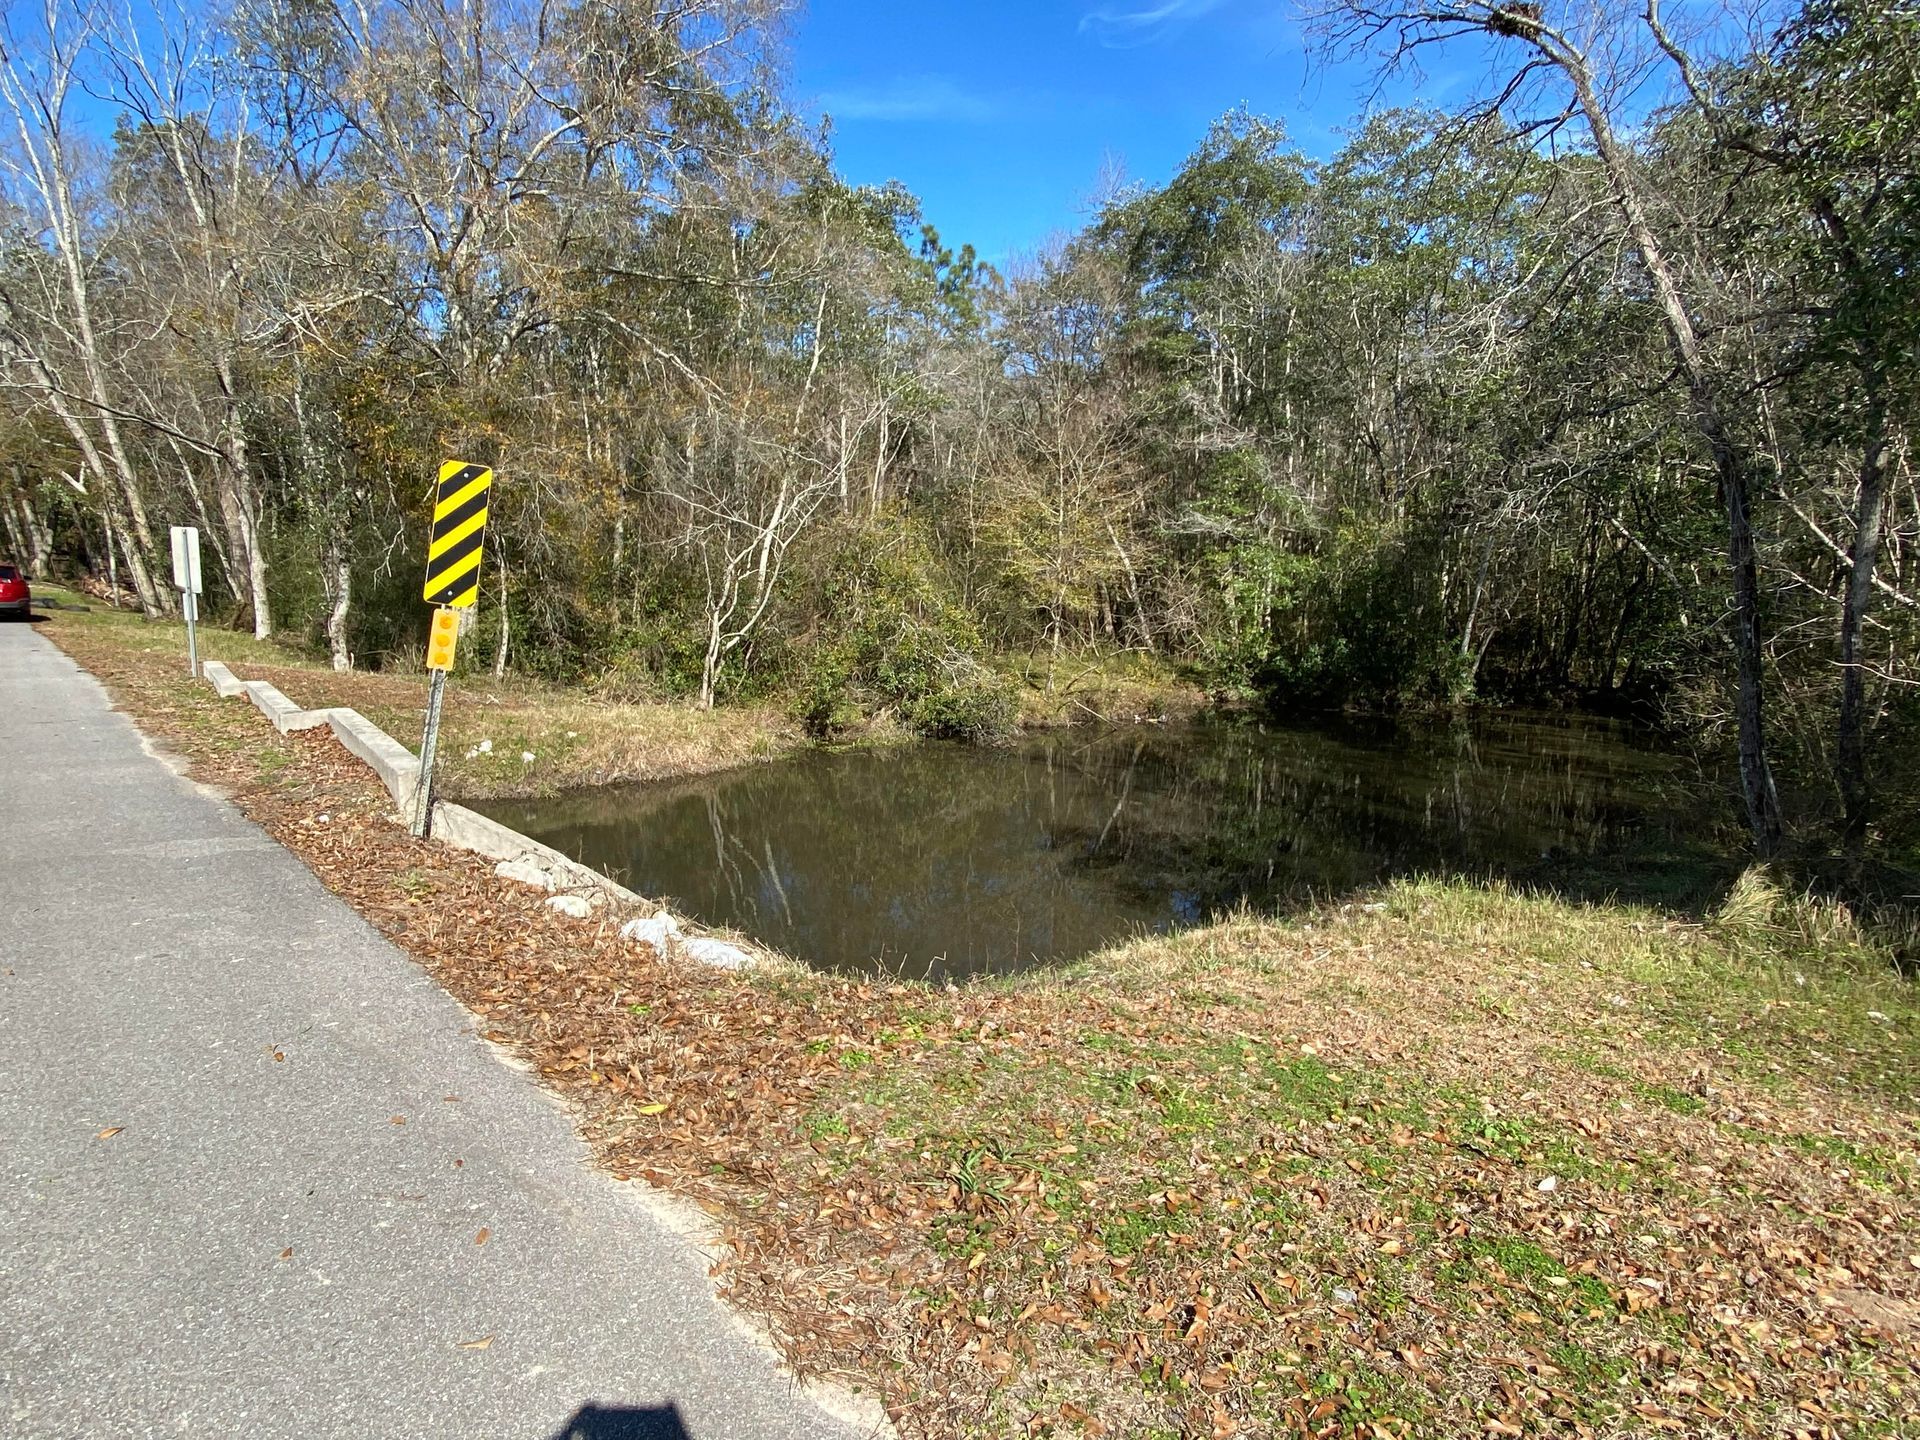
944, 861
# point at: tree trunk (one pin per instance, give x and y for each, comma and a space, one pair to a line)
338, 577
506, 629
1133, 590
113, 561
39, 537
112, 480
1756, 777
1850, 754
840, 463
214, 537
710, 671
240, 508
16, 535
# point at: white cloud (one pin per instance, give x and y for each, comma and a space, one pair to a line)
911, 97
1120, 26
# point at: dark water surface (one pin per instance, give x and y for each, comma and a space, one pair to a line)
946, 860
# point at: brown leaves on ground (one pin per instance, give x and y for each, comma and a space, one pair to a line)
1475, 1165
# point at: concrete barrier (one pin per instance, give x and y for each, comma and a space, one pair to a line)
395, 765
285, 715
470, 830
225, 683
399, 771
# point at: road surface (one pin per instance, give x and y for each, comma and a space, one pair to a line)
158, 956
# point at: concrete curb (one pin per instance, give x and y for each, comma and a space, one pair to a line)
391, 761
398, 769
470, 830
286, 716
222, 679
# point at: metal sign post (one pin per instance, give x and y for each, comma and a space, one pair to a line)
429, 747
453, 586
441, 642
186, 579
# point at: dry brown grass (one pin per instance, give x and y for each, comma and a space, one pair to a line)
574, 741
574, 738
1120, 689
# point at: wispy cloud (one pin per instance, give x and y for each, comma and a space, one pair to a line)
910, 98
1123, 26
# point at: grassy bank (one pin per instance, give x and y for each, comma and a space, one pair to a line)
1449, 1160
1454, 1161
1115, 689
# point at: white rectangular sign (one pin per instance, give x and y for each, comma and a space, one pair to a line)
186, 559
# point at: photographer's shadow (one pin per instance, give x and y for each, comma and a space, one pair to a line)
624, 1422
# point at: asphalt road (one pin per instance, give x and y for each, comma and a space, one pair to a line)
159, 955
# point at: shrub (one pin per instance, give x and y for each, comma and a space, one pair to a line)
888, 643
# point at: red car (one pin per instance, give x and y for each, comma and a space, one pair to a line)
15, 598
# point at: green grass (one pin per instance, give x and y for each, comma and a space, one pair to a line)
1394, 1104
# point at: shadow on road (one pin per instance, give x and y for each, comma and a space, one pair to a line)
624, 1422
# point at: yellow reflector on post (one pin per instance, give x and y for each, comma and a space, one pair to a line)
442, 638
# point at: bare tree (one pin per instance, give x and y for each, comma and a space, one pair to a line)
742, 497
205, 227
50, 324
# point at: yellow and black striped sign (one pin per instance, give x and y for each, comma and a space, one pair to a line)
459, 523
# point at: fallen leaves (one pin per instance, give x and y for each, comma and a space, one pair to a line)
479, 1344
109, 1132
482, 1236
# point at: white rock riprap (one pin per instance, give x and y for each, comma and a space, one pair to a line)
663, 933
574, 907
660, 931
716, 953
527, 871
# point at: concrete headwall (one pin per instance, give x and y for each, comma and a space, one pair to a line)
399, 771
522, 857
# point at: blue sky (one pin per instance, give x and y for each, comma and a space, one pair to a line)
1002, 116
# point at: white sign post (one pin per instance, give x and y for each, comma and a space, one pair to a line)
186, 579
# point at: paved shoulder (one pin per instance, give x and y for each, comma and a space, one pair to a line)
258, 1178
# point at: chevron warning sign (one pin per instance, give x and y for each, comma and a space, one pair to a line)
459, 524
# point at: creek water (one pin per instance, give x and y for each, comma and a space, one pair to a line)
942, 861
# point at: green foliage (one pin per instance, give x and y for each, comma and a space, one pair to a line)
655, 649
1347, 623
887, 642
1398, 425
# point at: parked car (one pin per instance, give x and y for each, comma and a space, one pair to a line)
15, 597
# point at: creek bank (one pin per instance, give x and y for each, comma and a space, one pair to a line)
521, 859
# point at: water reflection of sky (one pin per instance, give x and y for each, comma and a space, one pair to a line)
945, 860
